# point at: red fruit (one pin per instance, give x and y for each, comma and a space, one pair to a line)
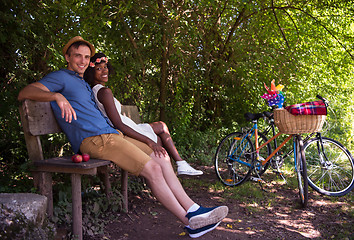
85, 157
77, 158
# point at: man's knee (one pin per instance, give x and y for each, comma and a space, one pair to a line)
161, 159
166, 158
152, 171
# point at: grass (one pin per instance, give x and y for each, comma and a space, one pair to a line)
255, 200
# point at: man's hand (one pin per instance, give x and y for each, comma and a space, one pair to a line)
67, 110
38, 92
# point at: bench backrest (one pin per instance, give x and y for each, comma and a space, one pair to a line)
38, 119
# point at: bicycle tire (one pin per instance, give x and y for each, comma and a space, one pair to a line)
331, 177
234, 159
264, 152
301, 171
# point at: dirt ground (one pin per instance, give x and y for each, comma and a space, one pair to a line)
277, 218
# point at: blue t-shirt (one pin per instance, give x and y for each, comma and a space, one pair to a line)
90, 121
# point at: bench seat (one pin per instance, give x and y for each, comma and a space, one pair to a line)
65, 165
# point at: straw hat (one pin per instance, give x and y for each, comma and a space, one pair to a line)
78, 39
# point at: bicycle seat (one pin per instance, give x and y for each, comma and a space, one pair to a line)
253, 116
269, 115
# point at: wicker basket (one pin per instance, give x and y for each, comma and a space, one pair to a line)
291, 124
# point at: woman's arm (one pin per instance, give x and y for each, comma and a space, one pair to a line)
38, 92
105, 96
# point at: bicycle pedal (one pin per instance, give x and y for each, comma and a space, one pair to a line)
256, 179
278, 172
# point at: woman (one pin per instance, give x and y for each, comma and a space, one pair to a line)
156, 135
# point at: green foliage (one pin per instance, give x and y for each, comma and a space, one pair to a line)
197, 65
198, 147
97, 210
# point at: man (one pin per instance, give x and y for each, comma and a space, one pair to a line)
88, 131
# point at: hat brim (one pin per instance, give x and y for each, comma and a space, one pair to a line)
78, 39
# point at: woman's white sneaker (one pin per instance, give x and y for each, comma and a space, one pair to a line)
184, 168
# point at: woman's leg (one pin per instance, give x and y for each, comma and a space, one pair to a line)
161, 130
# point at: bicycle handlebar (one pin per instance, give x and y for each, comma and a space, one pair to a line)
323, 99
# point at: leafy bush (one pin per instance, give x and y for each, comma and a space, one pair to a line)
97, 210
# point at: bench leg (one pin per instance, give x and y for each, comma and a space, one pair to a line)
124, 183
104, 176
43, 181
76, 205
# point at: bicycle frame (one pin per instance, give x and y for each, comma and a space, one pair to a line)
254, 131
271, 127
276, 150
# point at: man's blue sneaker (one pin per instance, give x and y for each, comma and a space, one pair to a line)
194, 233
206, 216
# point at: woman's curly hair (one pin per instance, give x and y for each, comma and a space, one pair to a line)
89, 74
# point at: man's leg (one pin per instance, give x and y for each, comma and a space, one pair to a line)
198, 217
172, 181
161, 190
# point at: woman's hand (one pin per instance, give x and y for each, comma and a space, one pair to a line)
158, 150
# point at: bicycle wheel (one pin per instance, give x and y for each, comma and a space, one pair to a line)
233, 159
301, 171
264, 152
331, 170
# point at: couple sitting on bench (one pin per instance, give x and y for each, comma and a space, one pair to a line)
88, 130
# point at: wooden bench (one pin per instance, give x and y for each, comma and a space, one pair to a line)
38, 119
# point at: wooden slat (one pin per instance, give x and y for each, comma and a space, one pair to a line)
81, 171
40, 118
66, 162
65, 165
132, 112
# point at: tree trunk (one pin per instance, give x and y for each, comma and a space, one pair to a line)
164, 65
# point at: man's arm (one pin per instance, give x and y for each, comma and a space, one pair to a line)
38, 92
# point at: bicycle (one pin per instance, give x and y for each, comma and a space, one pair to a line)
330, 166
237, 158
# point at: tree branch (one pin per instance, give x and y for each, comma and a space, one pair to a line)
281, 30
233, 29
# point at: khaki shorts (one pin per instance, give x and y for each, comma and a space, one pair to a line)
128, 153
